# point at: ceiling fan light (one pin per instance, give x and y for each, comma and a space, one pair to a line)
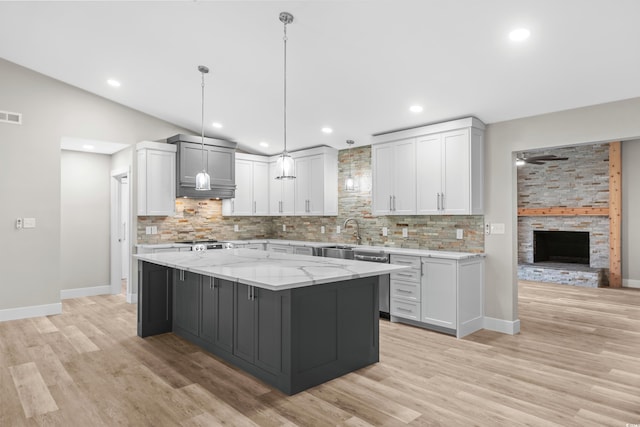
284, 166
203, 181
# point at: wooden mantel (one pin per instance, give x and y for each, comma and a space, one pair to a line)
563, 211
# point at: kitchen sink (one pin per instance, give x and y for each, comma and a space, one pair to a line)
338, 251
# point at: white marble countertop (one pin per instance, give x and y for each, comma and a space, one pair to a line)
387, 249
269, 270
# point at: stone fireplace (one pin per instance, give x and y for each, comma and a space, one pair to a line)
565, 249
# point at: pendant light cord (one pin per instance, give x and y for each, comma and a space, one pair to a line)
202, 131
285, 86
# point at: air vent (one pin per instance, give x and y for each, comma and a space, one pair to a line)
8, 117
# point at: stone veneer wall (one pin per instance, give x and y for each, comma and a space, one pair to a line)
580, 181
202, 219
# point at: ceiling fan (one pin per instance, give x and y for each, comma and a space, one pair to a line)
538, 160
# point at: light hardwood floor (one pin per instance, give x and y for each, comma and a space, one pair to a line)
575, 363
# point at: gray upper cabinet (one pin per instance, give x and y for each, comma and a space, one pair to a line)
219, 158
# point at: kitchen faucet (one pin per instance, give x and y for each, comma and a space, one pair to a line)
357, 232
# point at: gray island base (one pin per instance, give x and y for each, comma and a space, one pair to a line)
292, 339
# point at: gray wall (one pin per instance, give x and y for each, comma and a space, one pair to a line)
631, 213
30, 159
85, 198
616, 121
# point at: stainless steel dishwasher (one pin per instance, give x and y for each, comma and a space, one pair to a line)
383, 285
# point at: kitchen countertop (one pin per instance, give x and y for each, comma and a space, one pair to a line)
387, 249
269, 270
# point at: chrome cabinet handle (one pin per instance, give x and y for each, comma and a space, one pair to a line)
390, 203
404, 291
404, 309
249, 293
254, 207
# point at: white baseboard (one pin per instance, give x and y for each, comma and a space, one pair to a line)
31, 311
511, 327
630, 283
85, 292
132, 298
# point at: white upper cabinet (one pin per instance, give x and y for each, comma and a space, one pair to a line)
314, 191
156, 166
252, 187
281, 193
447, 165
394, 178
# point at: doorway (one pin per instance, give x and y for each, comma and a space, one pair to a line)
120, 233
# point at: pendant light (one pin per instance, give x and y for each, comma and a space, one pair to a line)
284, 165
203, 180
349, 183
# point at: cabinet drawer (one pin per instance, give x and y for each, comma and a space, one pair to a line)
406, 275
405, 309
411, 261
405, 290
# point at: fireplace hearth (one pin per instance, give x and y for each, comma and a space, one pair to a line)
570, 247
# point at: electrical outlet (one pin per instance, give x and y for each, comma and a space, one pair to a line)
405, 232
322, 229
338, 230
18, 223
459, 233
236, 227
284, 227
385, 231
148, 230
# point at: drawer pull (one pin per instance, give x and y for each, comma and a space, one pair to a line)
404, 309
404, 274
404, 291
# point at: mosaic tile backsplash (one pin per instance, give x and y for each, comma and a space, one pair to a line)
202, 219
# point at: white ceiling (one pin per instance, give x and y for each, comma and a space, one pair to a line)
356, 66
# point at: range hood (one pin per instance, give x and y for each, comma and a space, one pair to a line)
219, 158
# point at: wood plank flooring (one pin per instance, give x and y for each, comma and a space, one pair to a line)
576, 362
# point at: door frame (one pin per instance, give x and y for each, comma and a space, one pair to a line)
116, 251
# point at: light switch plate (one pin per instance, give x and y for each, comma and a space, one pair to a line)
405, 232
236, 227
147, 230
497, 228
322, 229
29, 223
154, 229
284, 227
338, 230
385, 231
459, 233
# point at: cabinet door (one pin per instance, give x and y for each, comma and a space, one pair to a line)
429, 174
404, 184
302, 184
155, 308
242, 204
275, 191
244, 325
456, 171
382, 170
216, 325
268, 327
221, 165
439, 292
315, 195
260, 188
186, 294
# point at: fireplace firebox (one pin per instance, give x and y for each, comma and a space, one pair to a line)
561, 246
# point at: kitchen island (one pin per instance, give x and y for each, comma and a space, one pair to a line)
293, 321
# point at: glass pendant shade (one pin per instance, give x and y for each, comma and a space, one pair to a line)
349, 184
203, 181
284, 166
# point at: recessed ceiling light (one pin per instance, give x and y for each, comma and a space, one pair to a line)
519, 34
263, 144
327, 130
216, 125
113, 83
416, 109
88, 147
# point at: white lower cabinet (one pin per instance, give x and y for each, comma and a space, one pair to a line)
443, 294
